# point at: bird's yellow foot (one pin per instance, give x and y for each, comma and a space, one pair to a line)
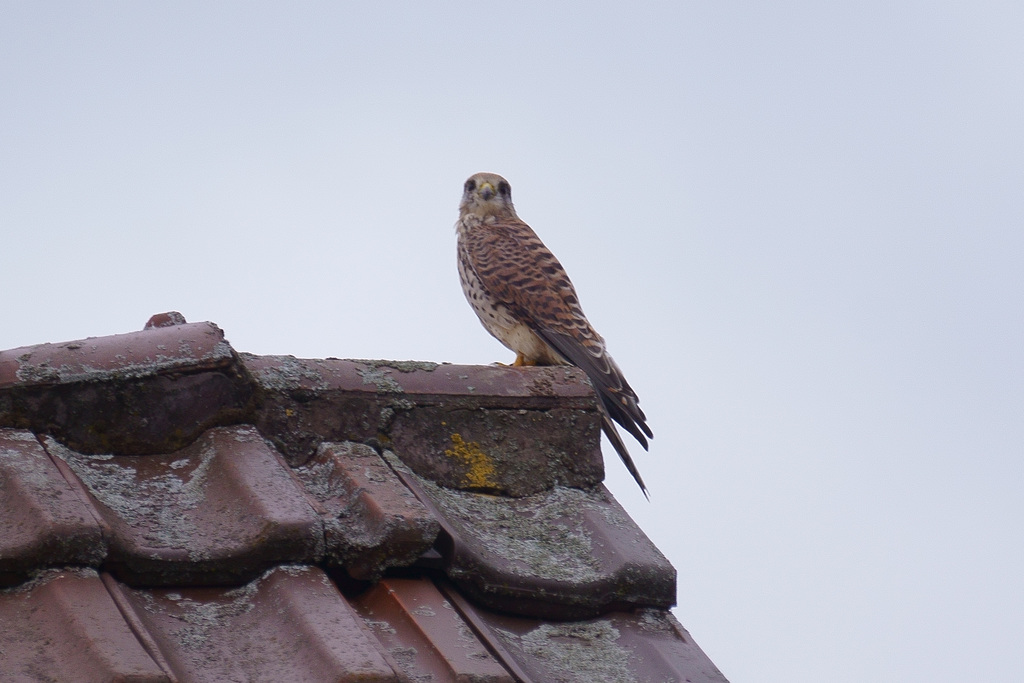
521, 361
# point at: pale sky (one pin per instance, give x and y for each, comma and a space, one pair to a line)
798, 225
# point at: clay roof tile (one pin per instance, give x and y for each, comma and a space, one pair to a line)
176, 511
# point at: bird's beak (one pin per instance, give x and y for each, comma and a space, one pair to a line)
487, 191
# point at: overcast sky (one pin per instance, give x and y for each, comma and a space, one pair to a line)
798, 225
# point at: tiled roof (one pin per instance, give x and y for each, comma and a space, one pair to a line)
176, 511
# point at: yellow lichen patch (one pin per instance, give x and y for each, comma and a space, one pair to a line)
479, 468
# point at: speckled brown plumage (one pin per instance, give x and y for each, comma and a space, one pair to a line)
523, 297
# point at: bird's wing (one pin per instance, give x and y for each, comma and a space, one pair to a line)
618, 401
618, 397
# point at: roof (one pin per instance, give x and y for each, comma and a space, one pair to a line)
177, 511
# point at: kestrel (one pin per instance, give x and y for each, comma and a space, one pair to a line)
523, 297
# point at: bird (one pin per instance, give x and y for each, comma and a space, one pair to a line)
524, 298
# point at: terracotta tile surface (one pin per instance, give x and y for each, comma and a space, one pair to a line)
45, 521
291, 624
425, 635
175, 511
564, 553
371, 520
64, 626
617, 647
221, 510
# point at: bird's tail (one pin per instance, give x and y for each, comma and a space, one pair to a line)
613, 435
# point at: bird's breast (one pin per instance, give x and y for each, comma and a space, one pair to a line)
499, 320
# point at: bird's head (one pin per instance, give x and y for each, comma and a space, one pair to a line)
487, 194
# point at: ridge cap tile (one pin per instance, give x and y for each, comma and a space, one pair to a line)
509, 451
151, 391
132, 355
421, 378
537, 425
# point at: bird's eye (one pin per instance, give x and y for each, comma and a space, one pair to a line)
470, 185
505, 190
